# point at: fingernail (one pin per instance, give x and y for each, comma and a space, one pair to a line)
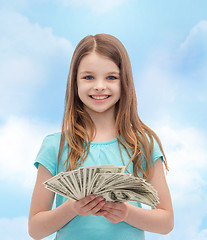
92, 197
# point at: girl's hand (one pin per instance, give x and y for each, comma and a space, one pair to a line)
88, 205
113, 211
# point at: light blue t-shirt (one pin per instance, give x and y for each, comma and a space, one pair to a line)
89, 226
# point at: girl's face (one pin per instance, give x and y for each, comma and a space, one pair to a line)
98, 82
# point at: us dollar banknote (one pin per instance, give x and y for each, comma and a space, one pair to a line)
108, 181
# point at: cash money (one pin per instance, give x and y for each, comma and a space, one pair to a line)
108, 181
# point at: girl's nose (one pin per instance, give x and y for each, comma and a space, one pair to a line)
100, 85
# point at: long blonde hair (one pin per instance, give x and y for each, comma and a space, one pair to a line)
130, 130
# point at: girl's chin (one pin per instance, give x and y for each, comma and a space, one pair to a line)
98, 111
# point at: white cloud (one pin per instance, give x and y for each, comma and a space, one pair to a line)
186, 154
29, 56
99, 7
191, 56
157, 88
201, 235
198, 34
15, 229
10, 4
22, 4
20, 140
157, 77
172, 81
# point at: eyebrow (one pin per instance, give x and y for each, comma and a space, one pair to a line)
89, 72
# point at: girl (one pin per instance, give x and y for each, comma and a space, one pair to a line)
100, 126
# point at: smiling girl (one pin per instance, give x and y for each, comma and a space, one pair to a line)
100, 126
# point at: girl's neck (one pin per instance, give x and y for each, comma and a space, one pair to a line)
105, 127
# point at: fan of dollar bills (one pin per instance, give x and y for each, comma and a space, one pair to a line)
108, 181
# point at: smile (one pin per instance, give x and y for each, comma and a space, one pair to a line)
100, 97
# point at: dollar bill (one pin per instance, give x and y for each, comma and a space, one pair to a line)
108, 181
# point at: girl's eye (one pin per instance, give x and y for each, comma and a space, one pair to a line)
112, 77
86, 77
89, 77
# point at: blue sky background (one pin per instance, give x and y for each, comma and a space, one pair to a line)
167, 45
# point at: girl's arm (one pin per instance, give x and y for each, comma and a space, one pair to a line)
43, 221
159, 220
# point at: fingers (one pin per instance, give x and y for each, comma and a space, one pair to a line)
115, 208
111, 210
109, 207
101, 212
95, 206
114, 212
89, 205
112, 218
114, 205
84, 201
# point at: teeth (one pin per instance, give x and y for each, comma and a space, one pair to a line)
100, 97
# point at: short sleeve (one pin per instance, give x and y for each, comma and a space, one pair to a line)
156, 153
48, 154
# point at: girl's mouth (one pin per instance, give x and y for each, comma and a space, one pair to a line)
99, 98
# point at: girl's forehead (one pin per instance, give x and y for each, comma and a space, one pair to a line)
94, 62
